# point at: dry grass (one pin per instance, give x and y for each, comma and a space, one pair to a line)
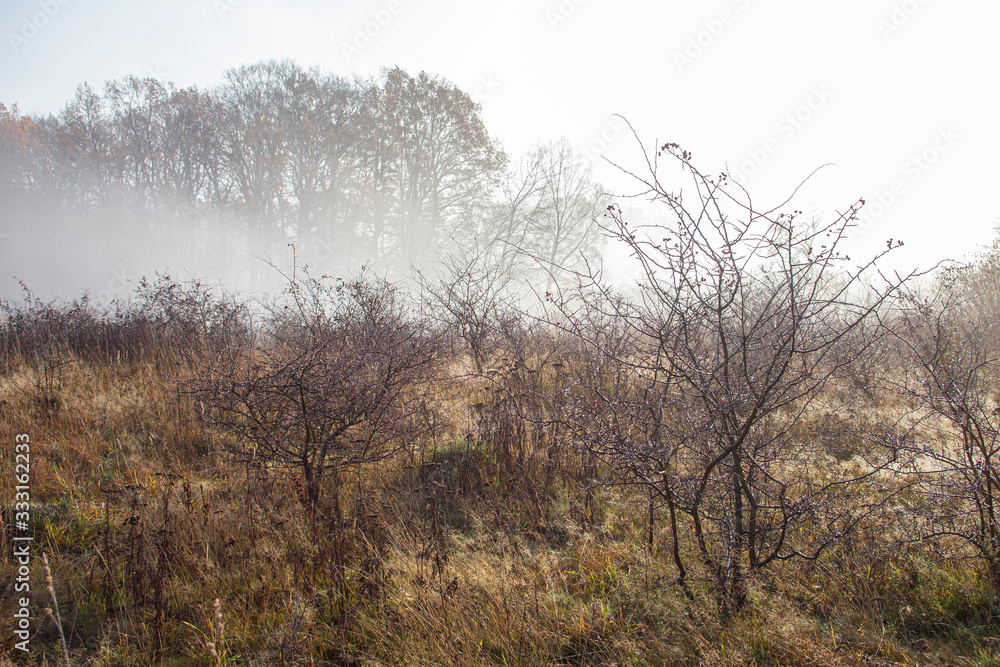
447, 555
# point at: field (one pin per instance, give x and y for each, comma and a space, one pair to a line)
466, 521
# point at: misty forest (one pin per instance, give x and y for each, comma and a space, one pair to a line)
386, 174
388, 403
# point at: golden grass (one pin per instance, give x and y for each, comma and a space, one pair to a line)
148, 523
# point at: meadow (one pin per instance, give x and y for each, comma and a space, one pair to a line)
345, 480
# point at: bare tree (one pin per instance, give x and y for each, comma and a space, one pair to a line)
15, 141
444, 162
255, 150
548, 213
139, 126
519, 206
567, 235
322, 129
78, 166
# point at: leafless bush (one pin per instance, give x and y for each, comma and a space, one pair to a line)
336, 382
166, 319
518, 416
978, 283
951, 371
190, 319
166, 323
694, 383
470, 294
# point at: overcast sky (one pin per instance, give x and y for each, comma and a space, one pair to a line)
899, 96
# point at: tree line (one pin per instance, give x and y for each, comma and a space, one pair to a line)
354, 171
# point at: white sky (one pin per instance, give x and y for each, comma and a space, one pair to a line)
887, 80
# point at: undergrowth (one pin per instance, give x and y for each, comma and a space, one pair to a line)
484, 543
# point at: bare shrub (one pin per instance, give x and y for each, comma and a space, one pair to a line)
695, 381
189, 320
469, 294
165, 321
166, 324
951, 372
334, 383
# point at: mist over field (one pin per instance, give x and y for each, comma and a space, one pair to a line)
279, 165
437, 333
138, 157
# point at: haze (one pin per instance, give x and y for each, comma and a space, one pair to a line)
898, 97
